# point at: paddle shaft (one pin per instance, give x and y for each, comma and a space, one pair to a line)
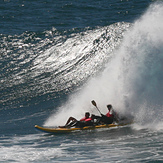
94, 103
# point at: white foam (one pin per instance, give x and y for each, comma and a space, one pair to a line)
131, 80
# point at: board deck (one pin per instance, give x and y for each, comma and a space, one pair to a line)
67, 130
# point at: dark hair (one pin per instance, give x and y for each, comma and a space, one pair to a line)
109, 106
87, 113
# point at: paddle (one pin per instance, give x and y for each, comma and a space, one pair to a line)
94, 103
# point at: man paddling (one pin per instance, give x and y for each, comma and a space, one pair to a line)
105, 119
86, 121
111, 115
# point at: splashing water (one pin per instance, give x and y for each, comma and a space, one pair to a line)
142, 66
132, 80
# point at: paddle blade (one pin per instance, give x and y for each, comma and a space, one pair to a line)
94, 103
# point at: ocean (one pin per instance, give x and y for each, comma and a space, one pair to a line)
58, 56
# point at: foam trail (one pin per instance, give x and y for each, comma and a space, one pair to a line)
132, 80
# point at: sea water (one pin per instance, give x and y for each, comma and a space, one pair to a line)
57, 56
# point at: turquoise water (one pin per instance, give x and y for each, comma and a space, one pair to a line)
56, 57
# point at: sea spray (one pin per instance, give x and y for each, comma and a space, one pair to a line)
132, 80
142, 58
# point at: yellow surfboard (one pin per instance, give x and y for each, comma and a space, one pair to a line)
67, 130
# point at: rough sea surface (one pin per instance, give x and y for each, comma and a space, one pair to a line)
57, 56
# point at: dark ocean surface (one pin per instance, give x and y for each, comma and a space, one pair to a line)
57, 56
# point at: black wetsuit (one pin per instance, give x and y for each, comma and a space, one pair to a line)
103, 119
81, 124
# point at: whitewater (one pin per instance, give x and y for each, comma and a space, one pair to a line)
47, 77
132, 74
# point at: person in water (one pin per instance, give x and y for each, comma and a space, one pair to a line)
109, 118
86, 121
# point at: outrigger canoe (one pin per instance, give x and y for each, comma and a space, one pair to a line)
67, 130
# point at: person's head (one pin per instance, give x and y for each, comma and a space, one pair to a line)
87, 114
109, 106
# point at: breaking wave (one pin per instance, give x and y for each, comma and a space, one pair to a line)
132, 78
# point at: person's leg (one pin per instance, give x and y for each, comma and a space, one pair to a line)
69, 120
68, 124
80, 124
